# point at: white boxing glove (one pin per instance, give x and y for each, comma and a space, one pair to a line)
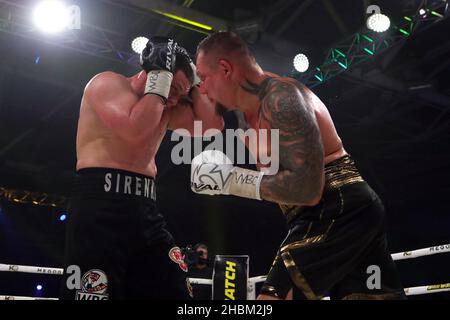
213, 173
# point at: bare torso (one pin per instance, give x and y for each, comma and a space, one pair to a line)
99, 146
332, 144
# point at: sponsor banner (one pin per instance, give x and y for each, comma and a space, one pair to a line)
230, 277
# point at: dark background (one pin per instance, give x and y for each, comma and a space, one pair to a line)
392, 113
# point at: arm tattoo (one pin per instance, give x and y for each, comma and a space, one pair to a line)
299, 179
259, 90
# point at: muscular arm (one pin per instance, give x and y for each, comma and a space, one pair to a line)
300, 178
201, 109
121, 110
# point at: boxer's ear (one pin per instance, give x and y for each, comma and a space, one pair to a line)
225, 67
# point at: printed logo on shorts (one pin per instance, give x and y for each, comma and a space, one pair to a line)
94, 285
176, 256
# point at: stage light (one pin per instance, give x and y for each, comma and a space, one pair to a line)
51, 16
301, 62
378, 22
138, 44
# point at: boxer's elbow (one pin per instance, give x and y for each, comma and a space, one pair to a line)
213, 127
307, 190
306, 197
310, 191
198, 127
311, 199
300, 188
206, 128
220, 124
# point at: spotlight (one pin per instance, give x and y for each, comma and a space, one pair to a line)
138, 44
51, 16
378, 22
63, 217
423, 13
301, 63
39, 287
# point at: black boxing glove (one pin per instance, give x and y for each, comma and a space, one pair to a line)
183, 51
158, 60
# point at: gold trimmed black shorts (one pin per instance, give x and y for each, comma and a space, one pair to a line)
337, 248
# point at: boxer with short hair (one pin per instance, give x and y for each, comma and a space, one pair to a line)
114, 230
335, 219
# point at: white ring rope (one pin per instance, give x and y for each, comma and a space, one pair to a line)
408, 291
30, 269
200, 281
24, 298
421, 252
427, 289
396, 256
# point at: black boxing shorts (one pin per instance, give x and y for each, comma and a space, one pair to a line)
337, 248
117, 246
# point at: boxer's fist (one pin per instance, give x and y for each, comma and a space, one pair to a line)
183, 51
213, 173
158, 60
159, 54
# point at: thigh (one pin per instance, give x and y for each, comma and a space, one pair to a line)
374, 278
158, 271
278, 282
97, 243
322, 252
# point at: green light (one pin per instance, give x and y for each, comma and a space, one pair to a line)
178, 18
318, 78
192, 28
340, 53
404, 32
367, 38
368, 51
434, 13
342, 65
407, 18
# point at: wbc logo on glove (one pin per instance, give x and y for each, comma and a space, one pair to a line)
211, 171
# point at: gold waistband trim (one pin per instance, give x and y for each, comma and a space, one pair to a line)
338, 173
